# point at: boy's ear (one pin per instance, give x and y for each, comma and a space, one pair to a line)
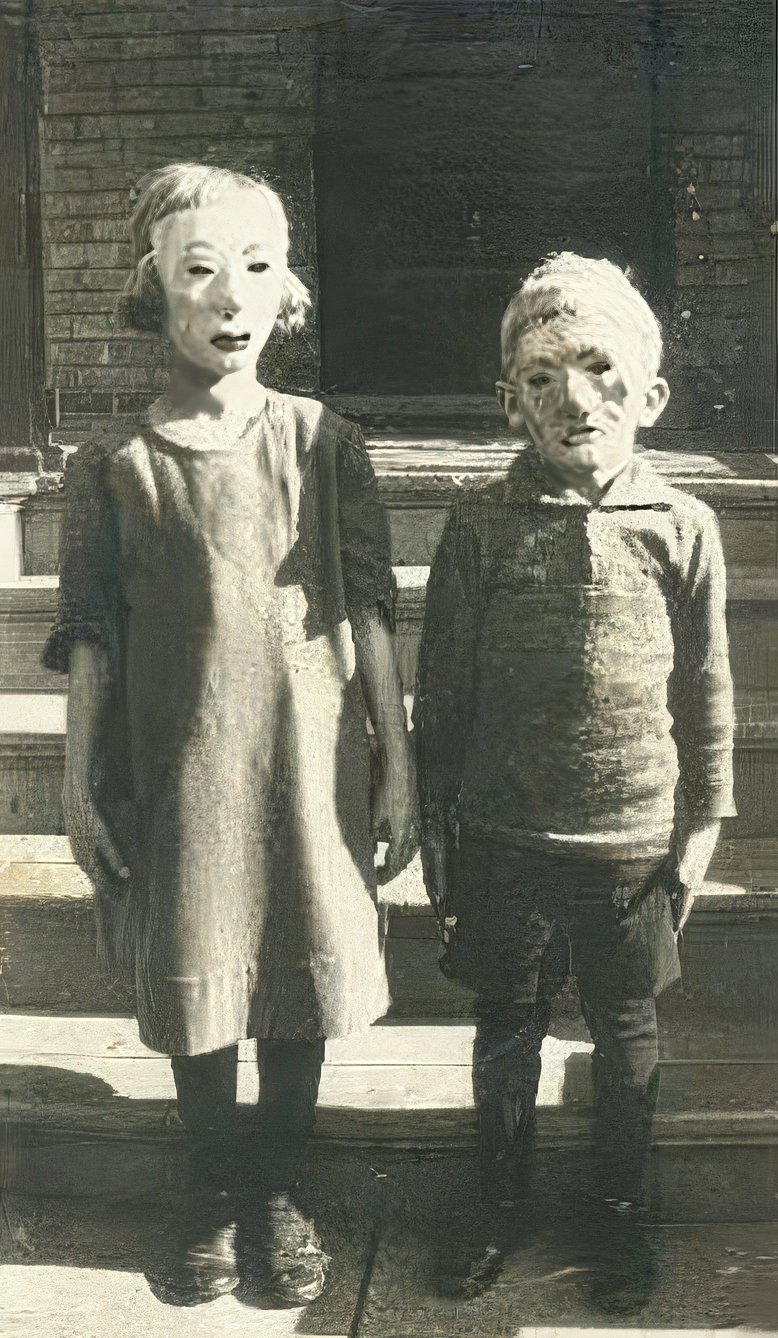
509, 403
657, 396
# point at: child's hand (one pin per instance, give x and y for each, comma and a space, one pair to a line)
694, 850
681, 902
396, 810
93, 844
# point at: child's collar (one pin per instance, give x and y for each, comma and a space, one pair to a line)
636, 486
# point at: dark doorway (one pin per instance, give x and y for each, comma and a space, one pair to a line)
456, 145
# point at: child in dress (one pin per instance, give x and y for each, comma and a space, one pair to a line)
226, 605
574, 719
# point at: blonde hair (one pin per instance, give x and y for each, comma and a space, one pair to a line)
170, 190
567, 286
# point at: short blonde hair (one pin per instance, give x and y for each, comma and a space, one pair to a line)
567, 286
170, 190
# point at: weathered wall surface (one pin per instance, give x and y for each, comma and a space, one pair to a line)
23, 425
716, 123
456, 146
448, 147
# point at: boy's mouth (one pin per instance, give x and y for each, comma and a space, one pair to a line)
581, 436
231, 343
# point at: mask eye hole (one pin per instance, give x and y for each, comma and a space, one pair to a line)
199, 270
259, 267
599, 368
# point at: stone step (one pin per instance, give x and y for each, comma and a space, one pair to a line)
90, 1110
84, 1267
27, 611
728, 1008
32, 761
28, 608
708, 1277
413, 1064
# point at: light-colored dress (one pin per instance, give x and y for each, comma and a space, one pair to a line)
234, 763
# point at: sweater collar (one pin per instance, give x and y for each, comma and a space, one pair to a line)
636, 486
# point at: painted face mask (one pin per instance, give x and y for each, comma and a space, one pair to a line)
582, 402
222, 267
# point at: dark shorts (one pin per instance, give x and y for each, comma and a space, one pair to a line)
520, 923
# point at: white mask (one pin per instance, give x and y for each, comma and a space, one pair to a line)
222, 266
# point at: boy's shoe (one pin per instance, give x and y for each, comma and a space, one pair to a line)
623, 1275
288, 1265
202, 1265
483, 1272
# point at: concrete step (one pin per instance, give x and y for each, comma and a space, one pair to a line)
728, 1008
422, 468
413, 1064
27, 611
32, 761
84, 1267
708, 1278
28, 608
89, 1110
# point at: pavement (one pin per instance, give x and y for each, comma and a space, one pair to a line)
402, 1228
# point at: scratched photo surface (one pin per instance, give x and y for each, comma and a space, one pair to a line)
388, 668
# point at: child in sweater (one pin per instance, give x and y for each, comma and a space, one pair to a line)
574, 718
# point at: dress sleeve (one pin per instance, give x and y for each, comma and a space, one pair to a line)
700, 696
88, 579
365, 549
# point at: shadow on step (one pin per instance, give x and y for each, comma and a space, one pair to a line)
68, 1133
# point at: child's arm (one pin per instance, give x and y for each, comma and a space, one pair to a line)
79, 645
89, 698
444, 702
394, 800
701, 703
369, 593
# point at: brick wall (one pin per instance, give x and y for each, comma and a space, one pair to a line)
451, 145
23, 426
716, 128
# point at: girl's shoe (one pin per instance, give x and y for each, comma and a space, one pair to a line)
202, 1265
289, 1264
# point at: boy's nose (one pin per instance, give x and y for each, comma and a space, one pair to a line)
578, 392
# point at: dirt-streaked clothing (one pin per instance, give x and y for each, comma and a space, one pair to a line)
237, 760
574, 676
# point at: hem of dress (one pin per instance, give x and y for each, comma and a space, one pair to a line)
333, 1033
